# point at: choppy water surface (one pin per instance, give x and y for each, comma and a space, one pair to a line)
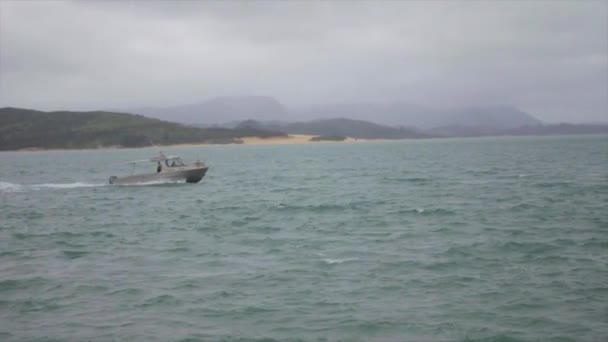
470, 239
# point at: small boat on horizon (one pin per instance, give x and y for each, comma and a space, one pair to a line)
168, 169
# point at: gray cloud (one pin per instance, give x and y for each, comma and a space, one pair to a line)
549, 58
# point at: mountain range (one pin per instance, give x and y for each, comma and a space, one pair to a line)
222, 110
228, 119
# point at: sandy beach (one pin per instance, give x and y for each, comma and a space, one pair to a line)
290, 139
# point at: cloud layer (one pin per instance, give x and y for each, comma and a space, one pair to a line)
549, 58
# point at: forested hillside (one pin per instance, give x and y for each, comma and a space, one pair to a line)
24, 128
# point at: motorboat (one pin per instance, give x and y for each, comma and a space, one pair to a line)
168, 169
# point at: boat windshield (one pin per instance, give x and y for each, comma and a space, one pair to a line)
168, 161
173, 162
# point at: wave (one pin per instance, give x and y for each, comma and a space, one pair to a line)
497, 338
339, 261
554, 184
524, 207
531, 247
75, 254
16, 284
161, 300
426, 212
62, 235
318, 208
415, 180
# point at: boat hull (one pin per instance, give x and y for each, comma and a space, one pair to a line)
189, 175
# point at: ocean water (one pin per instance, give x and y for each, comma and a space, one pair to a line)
493, 239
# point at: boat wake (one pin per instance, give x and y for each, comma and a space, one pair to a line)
9, 187
6, 187
65, 185
159, 182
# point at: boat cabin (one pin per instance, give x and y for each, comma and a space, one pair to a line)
171, 161
164, 163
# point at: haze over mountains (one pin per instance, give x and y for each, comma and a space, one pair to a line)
219, 110
222, 110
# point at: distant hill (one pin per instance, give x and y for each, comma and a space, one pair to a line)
358, 129
219, 110
24, 128
554, 129
405, 114
462, 131
390, 114
229, 110
367, 130
391, 120
563, 128
497, 117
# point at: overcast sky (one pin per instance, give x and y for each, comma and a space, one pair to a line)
548, 58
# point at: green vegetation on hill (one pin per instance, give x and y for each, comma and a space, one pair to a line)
23, 128
352, 128
357, 129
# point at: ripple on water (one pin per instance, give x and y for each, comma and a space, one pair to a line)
22, 284
74, 254
160, 301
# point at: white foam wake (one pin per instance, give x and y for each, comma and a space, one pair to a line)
158, 182
66, 185
7, 187
10, 187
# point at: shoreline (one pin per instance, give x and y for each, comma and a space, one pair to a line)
290, 139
